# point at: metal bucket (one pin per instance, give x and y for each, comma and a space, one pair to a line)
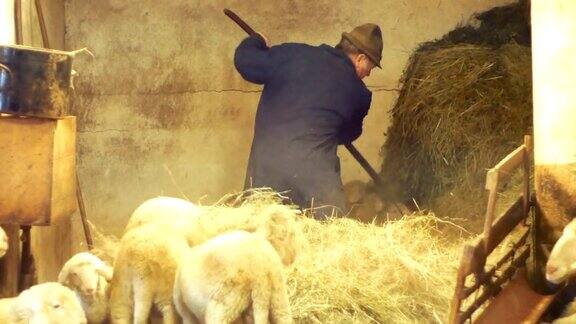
34, 81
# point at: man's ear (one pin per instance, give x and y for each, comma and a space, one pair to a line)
361, 57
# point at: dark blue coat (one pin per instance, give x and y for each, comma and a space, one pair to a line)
312, 101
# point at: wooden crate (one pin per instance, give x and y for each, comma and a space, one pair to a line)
37, 170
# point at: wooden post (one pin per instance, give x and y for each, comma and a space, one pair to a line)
465, 261
10, 263
526, 168
492, 178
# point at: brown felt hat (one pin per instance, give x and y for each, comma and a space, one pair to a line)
368, 39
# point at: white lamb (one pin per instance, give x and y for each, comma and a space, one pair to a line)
49, 302
88, 276
168, 210
148, 256
3, 242
5, 306
561, 265
562, 261
217, 280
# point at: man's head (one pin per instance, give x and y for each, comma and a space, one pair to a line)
363, 45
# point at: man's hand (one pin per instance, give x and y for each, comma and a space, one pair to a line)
264, 39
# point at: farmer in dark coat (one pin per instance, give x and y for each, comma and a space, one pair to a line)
313, 99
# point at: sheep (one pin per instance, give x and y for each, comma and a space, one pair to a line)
5, 305
168, 210
561, 265
3, 242
148, 255
144, 272
568, 316
49, 302
562, 261
88, 276
217, 280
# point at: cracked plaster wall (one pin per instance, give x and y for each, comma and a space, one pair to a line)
162, 110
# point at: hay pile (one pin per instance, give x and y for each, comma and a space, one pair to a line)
462, 108
401, 272
349, 272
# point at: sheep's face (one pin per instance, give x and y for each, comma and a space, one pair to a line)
283, 232
83, 273
562, 261
3, 242
83, 278
47, 303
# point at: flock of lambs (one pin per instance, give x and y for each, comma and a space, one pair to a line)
197, 264
200, 264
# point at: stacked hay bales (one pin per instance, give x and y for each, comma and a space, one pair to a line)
465, 103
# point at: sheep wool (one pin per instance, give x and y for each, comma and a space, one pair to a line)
217, 280
49, 302
562, 261
167, 210
3, 242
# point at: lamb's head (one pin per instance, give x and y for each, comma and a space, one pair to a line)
282, 230
562, 261
47, 303
82, 274
3, 242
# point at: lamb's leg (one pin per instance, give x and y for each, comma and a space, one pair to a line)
182, 309
143, 302
226, 307
261, 295
217, 313
120, 298
280, 305
169, 315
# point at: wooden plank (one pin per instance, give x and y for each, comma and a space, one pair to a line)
63, 198
526, 169
516, 303
51, 248
38, 169
512, 161
490, 210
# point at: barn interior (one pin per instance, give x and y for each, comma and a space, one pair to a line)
461, 186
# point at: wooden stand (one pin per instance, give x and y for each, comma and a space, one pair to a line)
38, 187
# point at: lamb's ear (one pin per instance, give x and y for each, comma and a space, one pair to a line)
63, 275
105, 271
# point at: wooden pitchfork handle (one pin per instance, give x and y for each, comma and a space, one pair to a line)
242, 24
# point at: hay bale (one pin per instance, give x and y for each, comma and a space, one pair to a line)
462, 109
466, 102
349, 272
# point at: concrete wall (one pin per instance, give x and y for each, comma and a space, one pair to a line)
162, 110
554, 68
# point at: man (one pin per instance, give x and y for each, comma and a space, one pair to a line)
313, 99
